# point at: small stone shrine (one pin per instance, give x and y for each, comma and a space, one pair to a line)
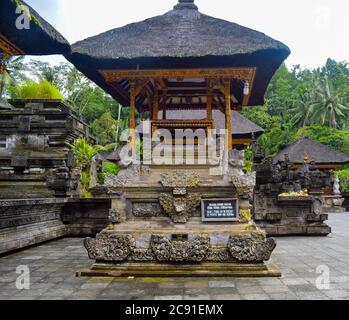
287, 200
325, 159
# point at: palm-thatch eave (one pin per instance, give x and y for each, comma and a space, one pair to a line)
40, 39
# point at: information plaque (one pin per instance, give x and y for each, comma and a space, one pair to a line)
220, 210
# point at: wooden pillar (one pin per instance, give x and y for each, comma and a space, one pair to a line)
155, 109
228, 124
156, 105
164, 111
209, 100
133, 115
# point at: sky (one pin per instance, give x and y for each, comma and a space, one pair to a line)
313, 29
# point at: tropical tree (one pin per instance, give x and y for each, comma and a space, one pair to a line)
105, 129
328, 107
13, 73
43, 71
34, 90
302, 110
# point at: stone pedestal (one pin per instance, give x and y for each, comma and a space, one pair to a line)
157, 228
334, 204
296, 216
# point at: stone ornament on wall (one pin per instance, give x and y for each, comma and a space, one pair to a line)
180, 209
146, 210
179, 182
180, 205
252, 248
129, 174
115, 216
243, 182
177, 251
111, 247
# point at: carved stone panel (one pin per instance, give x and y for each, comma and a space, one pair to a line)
252, 248
180, 209
110, 247
166, 250
144, 210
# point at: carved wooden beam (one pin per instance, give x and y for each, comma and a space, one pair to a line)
8, 47
231, 73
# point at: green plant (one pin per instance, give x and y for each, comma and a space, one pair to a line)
85, 179
108, 168
343, 176
100, 178
111, 168
83, 153
34, 90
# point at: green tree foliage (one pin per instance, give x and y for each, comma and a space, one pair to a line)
34, 90
305, 102
104, 129
13, 73
334, 138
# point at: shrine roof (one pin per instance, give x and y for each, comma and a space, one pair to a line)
40, 39
181, 38
314, 151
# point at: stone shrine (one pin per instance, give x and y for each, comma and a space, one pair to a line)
279, 207
159, 224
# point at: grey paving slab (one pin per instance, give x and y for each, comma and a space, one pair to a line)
52, 274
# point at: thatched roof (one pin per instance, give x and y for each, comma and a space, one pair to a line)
241, 127
314, 151
181, 38
40, 39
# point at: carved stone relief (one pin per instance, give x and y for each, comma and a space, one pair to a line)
111, 247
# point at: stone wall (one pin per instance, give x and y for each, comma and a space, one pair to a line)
32, 221
86, 217
27, 222
35, 156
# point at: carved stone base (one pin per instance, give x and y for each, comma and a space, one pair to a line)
196, 243
181, 270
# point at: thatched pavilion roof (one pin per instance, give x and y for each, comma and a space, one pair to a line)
314, 151
40, 39
241, 126
181, 38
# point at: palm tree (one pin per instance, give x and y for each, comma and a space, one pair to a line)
13, 72
302, 110
327, 105
319, 104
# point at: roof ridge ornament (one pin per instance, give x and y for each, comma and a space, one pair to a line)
185, 4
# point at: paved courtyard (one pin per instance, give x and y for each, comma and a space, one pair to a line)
52, 274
